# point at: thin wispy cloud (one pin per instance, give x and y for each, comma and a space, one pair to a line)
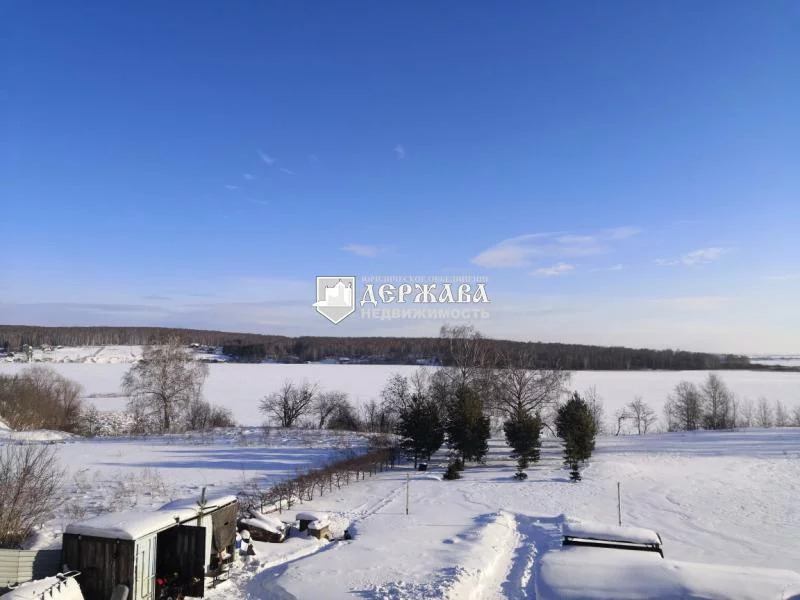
248, 176
287, 171
521, 251
611, 268
231, 187
554, 271
312, 158
695, 257
258, 202
364, 249
691, 303
268, 160
400, 151
783, 277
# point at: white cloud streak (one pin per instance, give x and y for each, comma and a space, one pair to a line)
363, 250
783, 277
695, 257
554, 271
521, 251
268, 160
400, 151
691, 303
611, 268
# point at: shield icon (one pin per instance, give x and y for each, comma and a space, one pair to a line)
336, 297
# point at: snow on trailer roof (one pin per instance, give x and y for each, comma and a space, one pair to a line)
211, 503
134, 524
130, 525
578, 572
588, 530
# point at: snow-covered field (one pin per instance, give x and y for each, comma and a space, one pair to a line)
791, 360
715, 497
240, 386
86, 354
112, 474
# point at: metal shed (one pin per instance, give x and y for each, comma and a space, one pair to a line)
181, 542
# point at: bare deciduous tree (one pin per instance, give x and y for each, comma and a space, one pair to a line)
763, 413
40, 398
745, 414
683, 409
164, 382
326, 404
642, 415
467, 352
796, 416
781, 414
202, 416
595, 403
717, 403
521, 389
621, 416
291, 402
397, 393
29, 479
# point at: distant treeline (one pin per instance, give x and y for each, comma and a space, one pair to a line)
253, 347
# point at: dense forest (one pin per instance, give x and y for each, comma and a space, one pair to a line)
253, 347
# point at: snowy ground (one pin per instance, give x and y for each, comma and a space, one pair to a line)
240, 386
113, 474
715, 497
86, 354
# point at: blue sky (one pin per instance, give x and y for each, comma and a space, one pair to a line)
621, 172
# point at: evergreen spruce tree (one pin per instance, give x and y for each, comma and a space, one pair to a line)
522, 434
468, 429
575, 425
420, 428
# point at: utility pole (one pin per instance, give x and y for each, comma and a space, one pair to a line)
408, 485
619, 506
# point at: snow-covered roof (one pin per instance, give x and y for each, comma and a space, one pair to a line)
273, 522
62, 589
319, 524
211, 503
130, 525
259, 524
133, 524
609, 574
312, 516
589, 530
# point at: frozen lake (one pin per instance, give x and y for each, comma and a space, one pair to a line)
240, 386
